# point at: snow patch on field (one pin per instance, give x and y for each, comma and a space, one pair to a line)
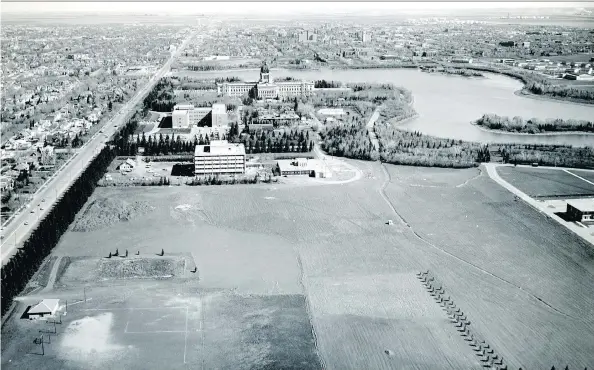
184, 207
88, 339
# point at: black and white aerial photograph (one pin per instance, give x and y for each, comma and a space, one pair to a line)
297, 185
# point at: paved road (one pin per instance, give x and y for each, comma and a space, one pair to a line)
17, 231
370, 128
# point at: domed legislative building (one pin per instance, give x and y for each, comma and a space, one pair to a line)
266, 88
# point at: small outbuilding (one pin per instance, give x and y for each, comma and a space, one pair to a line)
47, 307
581, 210
127, 166
303, 166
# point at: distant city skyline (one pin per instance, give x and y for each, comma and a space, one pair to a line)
280, 7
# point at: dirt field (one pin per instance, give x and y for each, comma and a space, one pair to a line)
542, 183
283, 264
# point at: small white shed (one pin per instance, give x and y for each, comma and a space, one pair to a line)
47, 307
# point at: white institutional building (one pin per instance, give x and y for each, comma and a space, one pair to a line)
184, 116
219, 158
266, 88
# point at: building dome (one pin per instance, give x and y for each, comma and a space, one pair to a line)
264, 68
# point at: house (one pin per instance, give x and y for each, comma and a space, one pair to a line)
48, 157
47, 307
22, 167
127, 166
6, 183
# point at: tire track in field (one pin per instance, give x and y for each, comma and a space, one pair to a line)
382, 192
470, 179
309, 311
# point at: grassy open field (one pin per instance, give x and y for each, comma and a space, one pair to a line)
542, 183
525, 282
281, 265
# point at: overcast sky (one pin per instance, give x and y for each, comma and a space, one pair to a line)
265, 7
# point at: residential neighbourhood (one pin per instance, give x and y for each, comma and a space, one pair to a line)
60, 85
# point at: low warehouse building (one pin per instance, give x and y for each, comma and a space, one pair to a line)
303, 167
580, 210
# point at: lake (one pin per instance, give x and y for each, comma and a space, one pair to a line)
447, 104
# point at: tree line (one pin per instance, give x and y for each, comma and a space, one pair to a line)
22, 266
533, 125
401, 147
211, 67
262, 141
453, 71
415, 149
351, 141
548, 155
562, 91
541, 85
216, 180
323, 84
161, 98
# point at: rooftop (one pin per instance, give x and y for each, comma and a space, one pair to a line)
219, 147
583, 205
45, 306
300, 164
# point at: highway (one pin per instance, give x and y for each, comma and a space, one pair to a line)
22, 224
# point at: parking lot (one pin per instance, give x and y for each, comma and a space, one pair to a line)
142, 172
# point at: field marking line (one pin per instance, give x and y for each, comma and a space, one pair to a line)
128, 321
579, 177
202, 331
186, 336
131, 308
154, 332
81, 301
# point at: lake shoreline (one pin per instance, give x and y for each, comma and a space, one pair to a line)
526, 94
482, 128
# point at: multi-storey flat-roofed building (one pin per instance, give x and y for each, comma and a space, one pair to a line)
184, 116
219, 115
219, 158
266, 88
